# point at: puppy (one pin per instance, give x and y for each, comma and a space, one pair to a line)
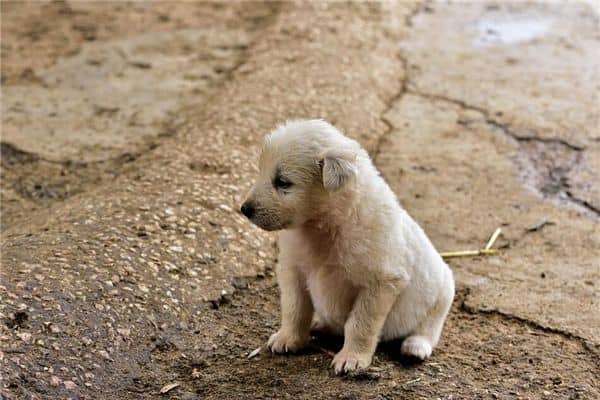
351, 260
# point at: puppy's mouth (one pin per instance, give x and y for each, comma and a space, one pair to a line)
267, 223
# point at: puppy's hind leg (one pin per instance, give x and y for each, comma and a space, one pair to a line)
423, 339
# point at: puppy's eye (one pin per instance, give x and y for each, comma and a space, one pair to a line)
282, 183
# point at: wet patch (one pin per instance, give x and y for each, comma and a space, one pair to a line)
547, 165
10, 155
553, 168
510, 29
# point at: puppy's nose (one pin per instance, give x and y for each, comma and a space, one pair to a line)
248, 210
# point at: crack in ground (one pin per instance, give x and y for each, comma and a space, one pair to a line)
557, 174
505, 128
388, 106
549, 160
389, 103
582, 203
42, 180
11, 155
463, 293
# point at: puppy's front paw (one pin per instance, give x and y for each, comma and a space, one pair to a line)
347, 361
285, 342
417, 347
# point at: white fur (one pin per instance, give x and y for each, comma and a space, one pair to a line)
351, 259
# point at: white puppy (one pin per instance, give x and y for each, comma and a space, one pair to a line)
351, 259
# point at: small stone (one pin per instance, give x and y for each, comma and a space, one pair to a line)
168, 388
150, 228
70, 385
124, 332
254, 353
25, 336
55, 381
170, 266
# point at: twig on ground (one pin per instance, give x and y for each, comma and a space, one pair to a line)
492, 240
255, 352
481, 252
411, 381
322, 349
538, 226
469, 253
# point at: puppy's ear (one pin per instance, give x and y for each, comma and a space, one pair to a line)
338, 168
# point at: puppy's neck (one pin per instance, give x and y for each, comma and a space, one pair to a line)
335, 212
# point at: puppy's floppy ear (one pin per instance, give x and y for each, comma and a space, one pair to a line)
338, 168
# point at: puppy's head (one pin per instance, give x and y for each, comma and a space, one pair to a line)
302, 165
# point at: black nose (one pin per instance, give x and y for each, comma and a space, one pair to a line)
248, 210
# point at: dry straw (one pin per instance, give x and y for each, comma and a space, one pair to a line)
487, 250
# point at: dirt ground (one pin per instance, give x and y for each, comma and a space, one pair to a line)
129, 138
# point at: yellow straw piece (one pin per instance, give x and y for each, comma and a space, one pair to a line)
469, 253
493, 239
483, 252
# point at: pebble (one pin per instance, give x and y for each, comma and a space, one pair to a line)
125, 332
150, 228
25, 336
70, 385
168, 388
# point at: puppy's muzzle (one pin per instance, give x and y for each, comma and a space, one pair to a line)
248, 210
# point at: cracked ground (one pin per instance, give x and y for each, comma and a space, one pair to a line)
129, 138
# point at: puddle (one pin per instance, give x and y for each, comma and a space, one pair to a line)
507, 29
